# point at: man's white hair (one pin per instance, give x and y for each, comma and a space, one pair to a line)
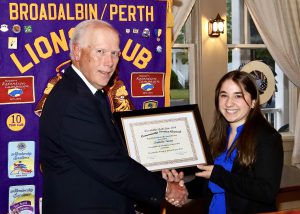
81, 29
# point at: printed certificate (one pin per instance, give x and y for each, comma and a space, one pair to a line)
171, 137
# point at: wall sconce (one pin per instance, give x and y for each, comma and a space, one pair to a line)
216, 26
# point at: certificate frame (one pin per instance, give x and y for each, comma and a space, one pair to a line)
165, 138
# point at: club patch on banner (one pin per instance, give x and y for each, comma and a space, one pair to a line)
147, 84
21, 159
158, 33
15, 122
4, 28
150, 104
17, 90
21, 199
12, 43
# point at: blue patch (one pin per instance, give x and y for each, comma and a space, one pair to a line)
147, 86
15, 92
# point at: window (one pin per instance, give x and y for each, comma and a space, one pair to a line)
183, 68
245, 45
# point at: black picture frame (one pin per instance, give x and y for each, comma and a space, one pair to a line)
193, 109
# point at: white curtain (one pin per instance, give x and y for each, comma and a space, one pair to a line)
278, 22
181, 11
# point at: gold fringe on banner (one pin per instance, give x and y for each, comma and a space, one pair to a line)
51, 83
169, 27
119, 98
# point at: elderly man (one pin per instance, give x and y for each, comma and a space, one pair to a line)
85, 165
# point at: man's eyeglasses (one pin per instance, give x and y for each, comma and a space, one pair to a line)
101, 52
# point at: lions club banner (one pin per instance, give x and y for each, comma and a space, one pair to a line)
34, 37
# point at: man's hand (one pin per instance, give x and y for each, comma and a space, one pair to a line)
172, 175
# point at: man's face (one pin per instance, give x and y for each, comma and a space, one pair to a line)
98, 56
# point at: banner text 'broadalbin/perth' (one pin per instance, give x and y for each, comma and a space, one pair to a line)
79, 11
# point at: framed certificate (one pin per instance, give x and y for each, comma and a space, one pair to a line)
165, 138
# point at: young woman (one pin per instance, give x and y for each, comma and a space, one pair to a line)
247, 152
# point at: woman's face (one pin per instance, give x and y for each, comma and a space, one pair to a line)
234, 103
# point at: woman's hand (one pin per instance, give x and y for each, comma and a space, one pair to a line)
206, 171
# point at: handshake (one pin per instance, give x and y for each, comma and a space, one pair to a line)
176, 192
